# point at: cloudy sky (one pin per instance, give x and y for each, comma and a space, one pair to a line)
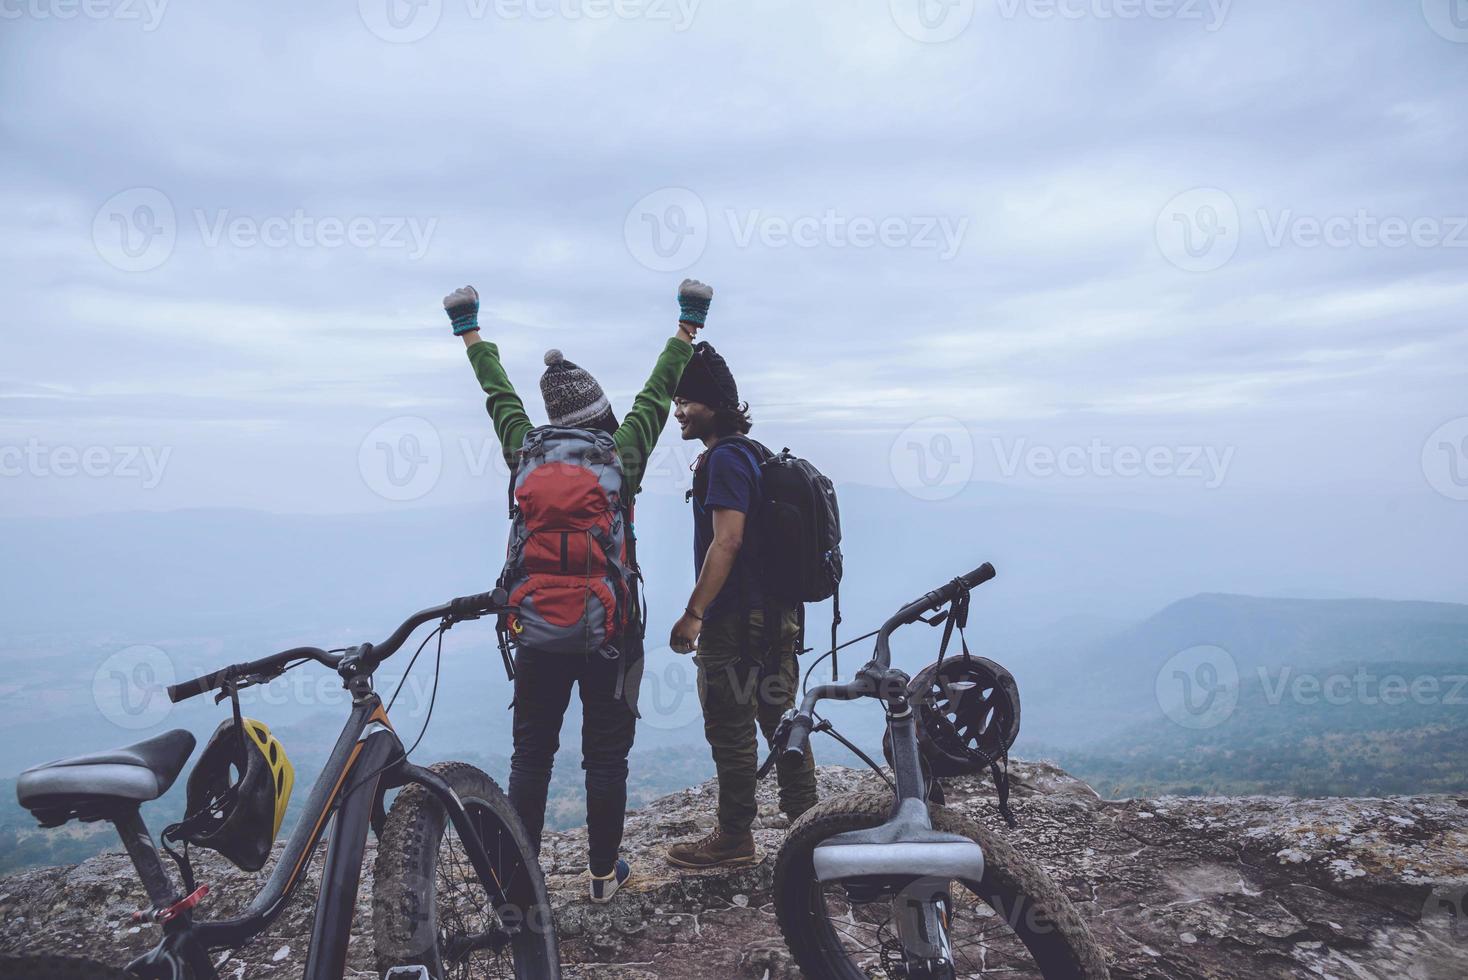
1114, 246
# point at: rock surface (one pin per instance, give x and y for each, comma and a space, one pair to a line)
1172, 888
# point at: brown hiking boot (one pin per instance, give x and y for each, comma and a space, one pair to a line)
715, 850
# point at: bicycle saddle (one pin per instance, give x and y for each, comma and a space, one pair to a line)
905, 846
88, 784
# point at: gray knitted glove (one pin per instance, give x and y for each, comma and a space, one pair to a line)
693, 301
462, 306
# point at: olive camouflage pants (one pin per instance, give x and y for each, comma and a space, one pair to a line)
737, 694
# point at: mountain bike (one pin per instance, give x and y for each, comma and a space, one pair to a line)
865, 883
458, 891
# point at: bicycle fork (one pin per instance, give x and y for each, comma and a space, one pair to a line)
920, 910
906, 858
336, 901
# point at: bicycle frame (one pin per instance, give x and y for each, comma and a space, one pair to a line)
360, 769
905, 851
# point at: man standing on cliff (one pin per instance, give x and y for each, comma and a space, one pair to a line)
746, 642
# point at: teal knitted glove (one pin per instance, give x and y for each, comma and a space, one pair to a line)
462, 306
693, 301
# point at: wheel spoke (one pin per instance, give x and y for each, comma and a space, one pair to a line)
470, 931
981, 941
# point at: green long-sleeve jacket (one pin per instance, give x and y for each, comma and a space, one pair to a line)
635, 436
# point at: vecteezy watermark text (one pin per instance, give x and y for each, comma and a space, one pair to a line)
136, 230
298, 229
403, 458
831, 228
406, 21
1210, 13
933, 458
130, 687
1201, 230
1361, 229
1200, 687
1361, 686
1098, 459
669, 229
1447, 18
936, 21
148, 14
37, 459
1445, 459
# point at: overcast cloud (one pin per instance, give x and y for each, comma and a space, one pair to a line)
1089, 226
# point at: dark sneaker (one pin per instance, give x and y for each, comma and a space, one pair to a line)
602, 889
716, 850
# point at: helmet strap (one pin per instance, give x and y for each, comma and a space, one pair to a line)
185, 867
1001, 786
232, 691
956, 616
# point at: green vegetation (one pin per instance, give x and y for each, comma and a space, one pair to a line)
1370, 737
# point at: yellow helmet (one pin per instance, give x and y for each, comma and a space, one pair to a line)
238, 815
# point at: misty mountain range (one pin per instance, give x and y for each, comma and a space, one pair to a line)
1088, 611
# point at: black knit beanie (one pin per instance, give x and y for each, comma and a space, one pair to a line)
707, 379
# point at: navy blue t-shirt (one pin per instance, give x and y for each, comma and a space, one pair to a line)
729, 477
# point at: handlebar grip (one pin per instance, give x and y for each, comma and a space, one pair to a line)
195, 687
958, 586
799, 736
979, 575
481, 604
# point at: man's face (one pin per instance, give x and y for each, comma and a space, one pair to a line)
695, 419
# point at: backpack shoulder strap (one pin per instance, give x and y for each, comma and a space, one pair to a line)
755, 448
756, 453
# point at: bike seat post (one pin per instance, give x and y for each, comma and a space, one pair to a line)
139, 844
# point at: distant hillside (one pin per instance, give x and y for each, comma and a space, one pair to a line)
1238, 694
1283, 638
1289, 747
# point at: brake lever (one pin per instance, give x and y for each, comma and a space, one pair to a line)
237, 684
778, 738
451, 617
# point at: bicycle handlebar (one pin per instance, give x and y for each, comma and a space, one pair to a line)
801, 720
270, 665
914, 610
455, 610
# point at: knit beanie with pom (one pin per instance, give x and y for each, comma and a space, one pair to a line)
573, 399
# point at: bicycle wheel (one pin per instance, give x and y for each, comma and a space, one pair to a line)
56, 968
1015, 922
428, 906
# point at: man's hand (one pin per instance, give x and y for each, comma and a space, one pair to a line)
684, 638
694, 298
462, 306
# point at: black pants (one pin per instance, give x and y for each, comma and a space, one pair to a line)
543, 683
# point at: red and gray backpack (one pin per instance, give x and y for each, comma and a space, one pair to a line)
570, 567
